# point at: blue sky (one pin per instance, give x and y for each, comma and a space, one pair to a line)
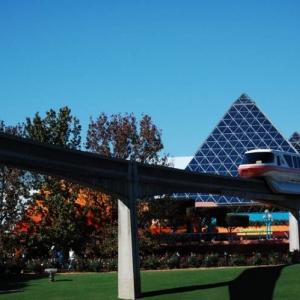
181, 62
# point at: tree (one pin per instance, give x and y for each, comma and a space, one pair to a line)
205, 215
125, 137
171, 212
63, 220
101, 222
233, 221
60, 128
14, 198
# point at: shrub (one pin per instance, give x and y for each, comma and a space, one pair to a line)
164, 262
13, 267
95, 265
237, 260
287, 259
210, 260
275, 258
170, 261
256, 259
191, 262
174, 261
295, 256
35, 266
81, 265
155, 262
112, 264
151, 263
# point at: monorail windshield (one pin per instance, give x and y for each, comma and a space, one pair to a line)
258, 158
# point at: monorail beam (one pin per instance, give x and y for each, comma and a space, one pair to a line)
156, 180
102, 173
110, 175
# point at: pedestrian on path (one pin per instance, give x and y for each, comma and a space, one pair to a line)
72, 257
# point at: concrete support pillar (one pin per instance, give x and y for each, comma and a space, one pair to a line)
294, 230
129, 280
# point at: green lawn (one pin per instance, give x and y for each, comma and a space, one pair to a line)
276, 283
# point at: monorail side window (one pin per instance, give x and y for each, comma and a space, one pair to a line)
278, 161
258, 158
295, 161
288, 159
298, 159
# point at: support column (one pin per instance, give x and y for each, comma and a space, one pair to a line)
294, 229
129, 281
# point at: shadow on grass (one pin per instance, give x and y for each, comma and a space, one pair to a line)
11, 291
184, 289
60, 280
16, 283
253, 283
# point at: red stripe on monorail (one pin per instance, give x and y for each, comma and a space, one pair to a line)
254, 170
259, 170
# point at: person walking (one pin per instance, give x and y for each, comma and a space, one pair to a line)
61, 259
71, 258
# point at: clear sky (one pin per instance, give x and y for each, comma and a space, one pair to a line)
182, 62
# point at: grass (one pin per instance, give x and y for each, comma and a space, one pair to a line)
271, 282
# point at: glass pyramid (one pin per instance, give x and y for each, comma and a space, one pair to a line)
295, 141
243, 127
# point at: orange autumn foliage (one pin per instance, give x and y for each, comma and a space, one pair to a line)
94, 202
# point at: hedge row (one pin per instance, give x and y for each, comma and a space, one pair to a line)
155, 262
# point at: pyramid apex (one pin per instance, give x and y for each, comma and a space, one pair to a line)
243, 99
295, 140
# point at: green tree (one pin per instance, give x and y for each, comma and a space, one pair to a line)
171, 212
204, 216
60, 128
63, 220
234, 221
14, 198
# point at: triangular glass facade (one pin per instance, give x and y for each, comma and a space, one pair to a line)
295, 140
244, 127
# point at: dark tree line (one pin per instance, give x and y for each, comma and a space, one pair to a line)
62, 220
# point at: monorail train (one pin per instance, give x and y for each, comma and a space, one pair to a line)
280, 169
